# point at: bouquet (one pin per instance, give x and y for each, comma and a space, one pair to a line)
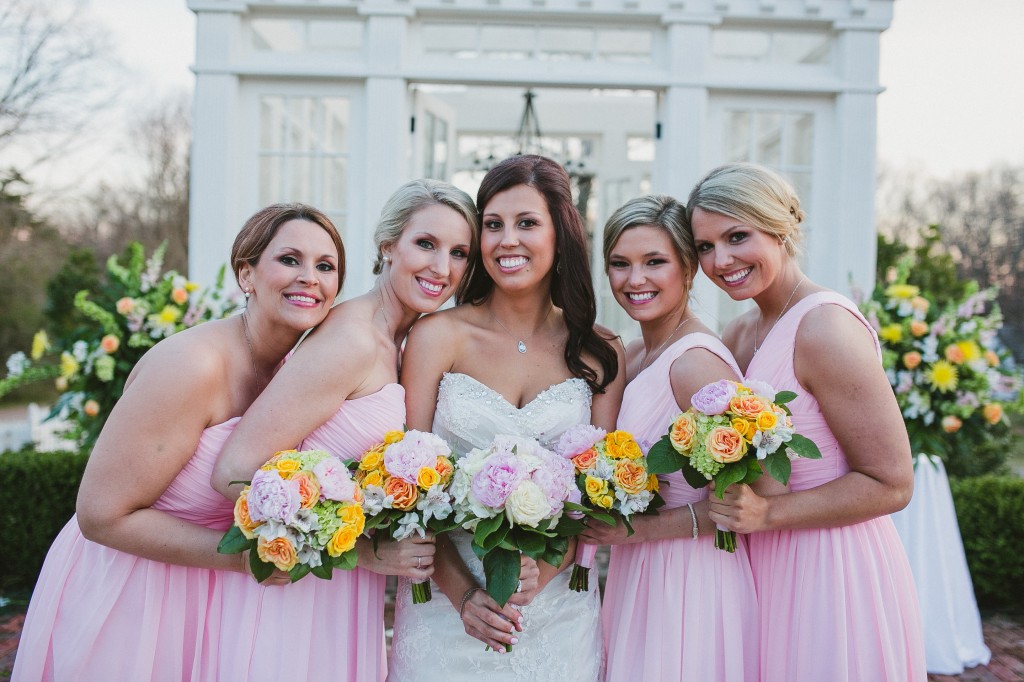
301, 513
944, 363
729, 433
512, 495
611, 473
405, 481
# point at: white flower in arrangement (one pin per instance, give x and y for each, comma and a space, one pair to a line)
80, 350
17, 364
374, 500
408, 526
435, 503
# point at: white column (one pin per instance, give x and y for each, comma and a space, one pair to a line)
213, 191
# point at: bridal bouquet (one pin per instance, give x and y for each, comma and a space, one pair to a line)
512, 495
729, 433
301, 513
405, 482
611, 473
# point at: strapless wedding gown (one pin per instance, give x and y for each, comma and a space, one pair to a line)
561, 639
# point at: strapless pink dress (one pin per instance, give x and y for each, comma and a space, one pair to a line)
677, 609
837, 604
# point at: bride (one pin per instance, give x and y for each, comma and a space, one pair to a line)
519, 356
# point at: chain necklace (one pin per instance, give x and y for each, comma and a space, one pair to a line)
783, 312
521, 343
387, 322
653, 354
252, 356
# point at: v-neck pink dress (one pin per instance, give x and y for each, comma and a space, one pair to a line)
837, 604
677, 609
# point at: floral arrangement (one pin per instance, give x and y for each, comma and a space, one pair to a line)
301, 513
405, 482
611, 474
136, 308
943, 362
512, 495
729, 433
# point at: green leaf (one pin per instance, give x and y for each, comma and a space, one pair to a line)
730, 473
778, 466
783, 397
753, 470
486, 527
234, 542
663, 458
323, 572
298, 572
496, 538
602, 516
555, 551
693, 477
568, 526
529, 543
260, 570
628, 525
348, 560
804, 447
501, 569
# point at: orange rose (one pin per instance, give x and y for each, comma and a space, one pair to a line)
179, 295
110, 343
427, 477
749, 406
342, 541
309, 488
681, 433
993, 412
404, 493
918, 327
278, 551
444, 468
242, 518
585, 459
912, 359
91, 408
725, 444
955, 354
951, 423
630, 476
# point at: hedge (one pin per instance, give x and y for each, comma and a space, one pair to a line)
990, 510
37, 497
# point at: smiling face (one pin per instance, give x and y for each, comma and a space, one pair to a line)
296, 278
517, 241
429, 258
742, 260
646, 275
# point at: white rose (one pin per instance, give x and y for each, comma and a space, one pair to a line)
527, 505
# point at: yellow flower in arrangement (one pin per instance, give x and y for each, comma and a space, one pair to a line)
169, 315
372, 478
652, 483
373, 458
393, 437
40, 344
902, 291
68, 365
605, 501
942, 376
970, 350
891, 333
191, 286
595, 487
427, 477
744, 427
766, 421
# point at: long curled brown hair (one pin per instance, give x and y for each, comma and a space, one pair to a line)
572, 288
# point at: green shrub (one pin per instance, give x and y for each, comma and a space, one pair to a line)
37, 497
990, 510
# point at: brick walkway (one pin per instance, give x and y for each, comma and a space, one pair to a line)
1004, 636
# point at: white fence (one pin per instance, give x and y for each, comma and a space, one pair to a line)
34, 429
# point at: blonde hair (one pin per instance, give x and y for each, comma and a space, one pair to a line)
656, 210
411, 197
754, 195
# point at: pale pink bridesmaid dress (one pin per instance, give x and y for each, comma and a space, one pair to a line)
837, 604
677, 609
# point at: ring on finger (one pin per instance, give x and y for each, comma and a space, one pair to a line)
419, 561
519, 587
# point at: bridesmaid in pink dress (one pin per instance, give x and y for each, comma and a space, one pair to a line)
675, 608
835, 590
339, 392
132, 587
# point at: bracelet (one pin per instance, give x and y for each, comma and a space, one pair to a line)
465, 599
693, 517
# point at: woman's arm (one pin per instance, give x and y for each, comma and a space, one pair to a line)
835, 360
328, 366
150, 436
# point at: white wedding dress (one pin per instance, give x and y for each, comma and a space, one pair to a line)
561, 638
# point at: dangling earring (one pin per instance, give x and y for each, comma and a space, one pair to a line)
558, 267
247, 295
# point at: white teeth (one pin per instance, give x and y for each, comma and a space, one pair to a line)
432, 288
512, 262
736, 276
645, 296
301, 299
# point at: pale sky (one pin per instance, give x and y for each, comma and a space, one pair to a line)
952, 70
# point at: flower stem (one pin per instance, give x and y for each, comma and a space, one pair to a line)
421, 592
579, 581
725, 539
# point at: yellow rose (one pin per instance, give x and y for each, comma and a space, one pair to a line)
766, 421
278, 551
373, 478
631, 449
911, 359
286, 467
404, 493
352, 515
615, 444
744, 427
427, 477
951, 423
595, 487
652, 483
372, 459
393, 437
681, 434
993, 413
242, 518
725, 444
606, 501
918, 327
91, 408
630, 476
342, 541
179, 295
40, 344
309, 488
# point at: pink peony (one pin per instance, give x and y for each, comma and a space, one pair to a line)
271, 498
497, 479
714, 398
578, 439
335, 481
415, 451
761, 388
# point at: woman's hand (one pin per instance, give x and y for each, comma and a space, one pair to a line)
412, 557
493, 625
740, 509
529, 582
598, 532
275, 579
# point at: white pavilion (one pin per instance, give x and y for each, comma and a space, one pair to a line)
338, 102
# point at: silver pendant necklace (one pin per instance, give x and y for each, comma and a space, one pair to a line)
521, 343
252, 356
649, 357
784, 309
